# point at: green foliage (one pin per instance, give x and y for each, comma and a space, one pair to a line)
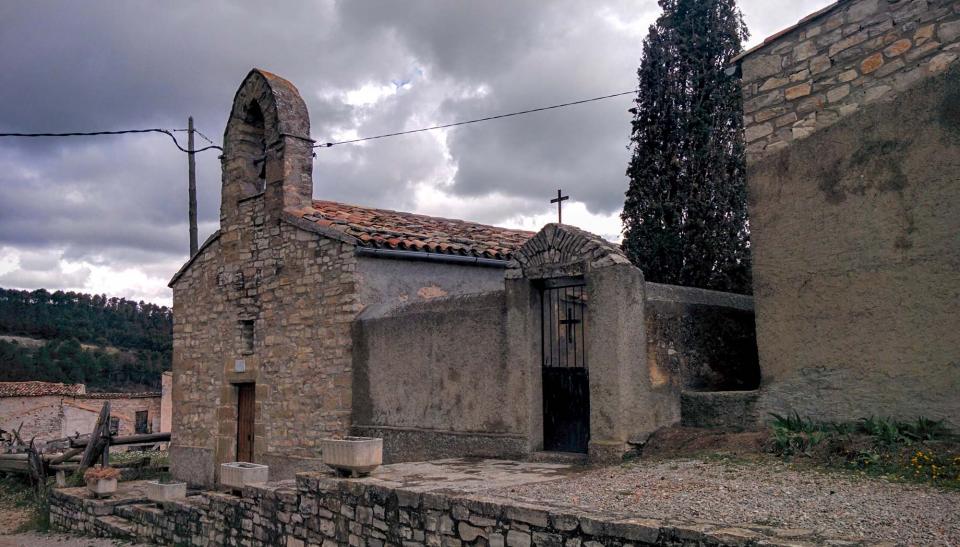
883, 430
93, 319
924, 429
144, 331
685, 217
75, 479
795, 423
795, 435
923, 450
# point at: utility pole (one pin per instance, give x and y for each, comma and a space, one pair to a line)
192, 187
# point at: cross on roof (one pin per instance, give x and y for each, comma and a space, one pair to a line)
559, 201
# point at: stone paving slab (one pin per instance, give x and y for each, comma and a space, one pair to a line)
466, 475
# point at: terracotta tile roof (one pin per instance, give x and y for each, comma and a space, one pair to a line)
381, 228
133, 395
39, 389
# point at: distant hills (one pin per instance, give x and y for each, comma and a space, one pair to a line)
110, 344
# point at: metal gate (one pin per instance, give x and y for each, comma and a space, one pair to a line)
566, 385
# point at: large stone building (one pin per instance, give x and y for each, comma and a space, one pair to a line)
852, 121
301, 319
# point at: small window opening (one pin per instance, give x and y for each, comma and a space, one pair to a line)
258, 143
246, 335
114, 425
141, 424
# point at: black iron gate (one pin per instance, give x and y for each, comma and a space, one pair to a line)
566, 385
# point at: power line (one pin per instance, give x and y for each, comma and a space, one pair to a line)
168, 132
488, 118
202, 136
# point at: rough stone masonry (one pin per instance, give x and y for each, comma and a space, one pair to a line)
319, 510
853, 176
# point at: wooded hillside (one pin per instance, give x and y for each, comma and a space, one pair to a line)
143, 333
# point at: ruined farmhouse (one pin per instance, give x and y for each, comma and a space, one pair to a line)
300, 319
46, 411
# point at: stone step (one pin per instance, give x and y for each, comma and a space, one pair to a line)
572, 458
115, 527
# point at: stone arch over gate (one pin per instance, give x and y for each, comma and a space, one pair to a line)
613, 335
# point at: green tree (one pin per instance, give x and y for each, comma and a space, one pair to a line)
685, 218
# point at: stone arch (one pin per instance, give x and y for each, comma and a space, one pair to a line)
564, 250
266, 146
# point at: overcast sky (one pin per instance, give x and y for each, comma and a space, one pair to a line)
109, 214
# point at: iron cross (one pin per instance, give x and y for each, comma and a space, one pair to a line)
559, 201
569, 323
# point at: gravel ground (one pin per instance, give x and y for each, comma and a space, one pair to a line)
764, 492
35, 539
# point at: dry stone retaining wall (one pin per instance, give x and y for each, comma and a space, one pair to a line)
322, 511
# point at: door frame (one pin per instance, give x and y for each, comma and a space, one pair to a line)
563, 361
246, 394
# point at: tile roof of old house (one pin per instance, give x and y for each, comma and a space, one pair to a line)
382, 228
39, 389
117, 395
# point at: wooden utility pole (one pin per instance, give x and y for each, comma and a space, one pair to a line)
192, 174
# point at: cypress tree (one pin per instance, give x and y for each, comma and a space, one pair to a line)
685, 218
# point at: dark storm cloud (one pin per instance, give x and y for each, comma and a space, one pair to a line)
120, 201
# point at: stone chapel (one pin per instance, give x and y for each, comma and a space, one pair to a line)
301, 319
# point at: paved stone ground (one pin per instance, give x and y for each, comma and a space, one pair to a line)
762, 491
466, 475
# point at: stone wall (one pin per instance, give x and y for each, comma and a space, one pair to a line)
166, 401
80, 413
854, 228
828, 67
265, 301
699, 339
433, 380
385, 283
42, 417
55, 417
279, 276
318, 510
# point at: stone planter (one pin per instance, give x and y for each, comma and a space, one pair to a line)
159, 491
353, 455
236, 475
102, 488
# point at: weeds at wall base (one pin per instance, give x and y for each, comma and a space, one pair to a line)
922, 451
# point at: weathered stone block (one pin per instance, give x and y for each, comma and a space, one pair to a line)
797, 91
516, 538
871, 63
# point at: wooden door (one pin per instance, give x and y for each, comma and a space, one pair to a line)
246, 396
